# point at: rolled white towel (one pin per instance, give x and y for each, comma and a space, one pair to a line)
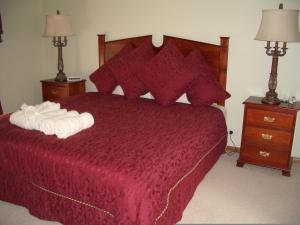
72, 125
31, 119
87, 120
18, 118
25, 107
47, 107
48, 125
68, 126
35, 118
55, 113
44, 107
72, 113
50, 119
25, 119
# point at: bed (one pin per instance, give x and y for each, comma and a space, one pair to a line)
138, 165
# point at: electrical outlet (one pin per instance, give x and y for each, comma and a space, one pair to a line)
233, 132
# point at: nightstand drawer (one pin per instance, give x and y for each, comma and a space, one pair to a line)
266, 157
52, 92
268, 138
269, 119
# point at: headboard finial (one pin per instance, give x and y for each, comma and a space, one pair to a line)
101, 49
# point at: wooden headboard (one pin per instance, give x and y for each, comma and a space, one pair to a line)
215, 55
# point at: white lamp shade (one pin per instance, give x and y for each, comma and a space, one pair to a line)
279, 25
58, 25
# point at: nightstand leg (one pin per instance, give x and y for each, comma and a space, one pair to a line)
239, 164
286, 173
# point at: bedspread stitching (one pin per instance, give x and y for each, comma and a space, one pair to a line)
183, 177
72, 199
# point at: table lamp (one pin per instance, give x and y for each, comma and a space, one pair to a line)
59, 27
278, 26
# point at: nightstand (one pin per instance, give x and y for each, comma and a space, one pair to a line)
53, 90
268, 132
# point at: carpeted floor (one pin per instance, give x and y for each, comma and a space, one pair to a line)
227, 195
251, 194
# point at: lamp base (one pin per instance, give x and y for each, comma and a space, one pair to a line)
271, 98
61, 77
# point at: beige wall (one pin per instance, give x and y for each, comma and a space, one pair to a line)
20, 53
204, 20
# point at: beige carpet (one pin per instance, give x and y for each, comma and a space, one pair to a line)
227, 195
252, 194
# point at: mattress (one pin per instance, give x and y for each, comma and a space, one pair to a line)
138, 165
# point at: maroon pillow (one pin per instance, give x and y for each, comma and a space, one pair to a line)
167, 76
125, 68
206, 89
103, 77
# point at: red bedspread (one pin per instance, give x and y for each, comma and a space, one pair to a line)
138, 165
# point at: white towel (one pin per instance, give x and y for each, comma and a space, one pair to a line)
41, 108
48, 125
55, 113
72, 125
67, 127
50, 119
29, 118
18, 118
51, 106
39, 120
25, 119
87, 120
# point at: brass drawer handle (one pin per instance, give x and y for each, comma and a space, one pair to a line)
264, 154
266, 136
269, 119
54, 92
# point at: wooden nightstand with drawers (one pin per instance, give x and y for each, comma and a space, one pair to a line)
268, 132
53, 90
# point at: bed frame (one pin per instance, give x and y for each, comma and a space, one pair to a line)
215, 55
